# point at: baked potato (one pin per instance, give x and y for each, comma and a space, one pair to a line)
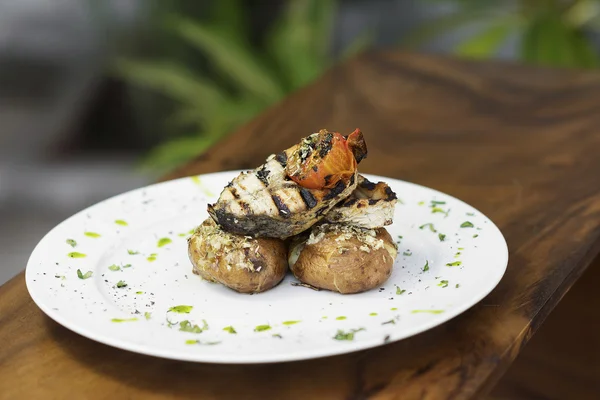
243, 263
342, 258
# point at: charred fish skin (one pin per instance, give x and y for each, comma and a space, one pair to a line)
266, 203
371, 205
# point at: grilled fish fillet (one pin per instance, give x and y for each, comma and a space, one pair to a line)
265, 203
371, 205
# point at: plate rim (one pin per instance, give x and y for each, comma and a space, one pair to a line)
267, 358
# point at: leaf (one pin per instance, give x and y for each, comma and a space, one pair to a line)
173, 81
428, 31
177, 151
300, 40
486, 43
229, 15
232, 59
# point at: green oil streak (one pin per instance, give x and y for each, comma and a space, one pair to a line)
261, 328
197, 181
121, 222
123, 320
393, 308
92, 234
324, 317
427, 311
191, 341
290, 322
341, 318
147, 315
373, 314
75, 254
163, 242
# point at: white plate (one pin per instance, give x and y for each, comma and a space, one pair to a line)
160, 277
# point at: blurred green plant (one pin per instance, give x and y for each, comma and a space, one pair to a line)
549, 32
241, 78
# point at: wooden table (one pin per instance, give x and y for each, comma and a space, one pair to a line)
520, 144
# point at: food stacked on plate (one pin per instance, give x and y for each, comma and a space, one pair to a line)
307, 208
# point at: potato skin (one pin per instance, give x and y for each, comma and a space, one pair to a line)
244, 264
343, 265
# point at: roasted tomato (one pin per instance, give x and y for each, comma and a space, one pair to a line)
322, 159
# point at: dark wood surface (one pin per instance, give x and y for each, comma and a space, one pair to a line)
520, 144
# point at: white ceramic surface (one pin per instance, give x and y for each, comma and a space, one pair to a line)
153, 224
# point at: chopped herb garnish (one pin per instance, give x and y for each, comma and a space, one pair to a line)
230, 329
181, 309
341, 335
127, 266
163, 242
277, 335
427, 311
373, 314
121, 222
186, 326
399, 291
147, 315
92, 234
121, 284
467, 224
191, 231
470, 214
474, 236
454, 264
439, 210
71, 242
114, 267
430, 225
457, 285
421, 203
62, 277
341, 318
192, 341
87, 275
443, 283
133, 252
393, 308
460, 248
75, 254
261, 328
151, 257
442, 237
290, 322
407, 253
437, 203
139, 292
123, 320
426, 267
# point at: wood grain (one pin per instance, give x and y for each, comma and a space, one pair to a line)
520, 144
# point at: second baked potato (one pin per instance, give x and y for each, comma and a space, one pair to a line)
343, 258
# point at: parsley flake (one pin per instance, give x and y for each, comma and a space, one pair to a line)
87, 275
121, 284
426, 267
114, 267
454, 264
443, 283
230, 329
467, 224
261, 328
132, 252
341, 335
399, 291
430, 225
181, 309
71, 242
442, 237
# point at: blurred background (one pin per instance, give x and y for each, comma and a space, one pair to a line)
100, 97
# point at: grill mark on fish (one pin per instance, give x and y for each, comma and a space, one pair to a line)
372, 202
390, 194
234, 192
284, 211
282, 158
308, 198
262, 174
349, 203
368, 185
337, 189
